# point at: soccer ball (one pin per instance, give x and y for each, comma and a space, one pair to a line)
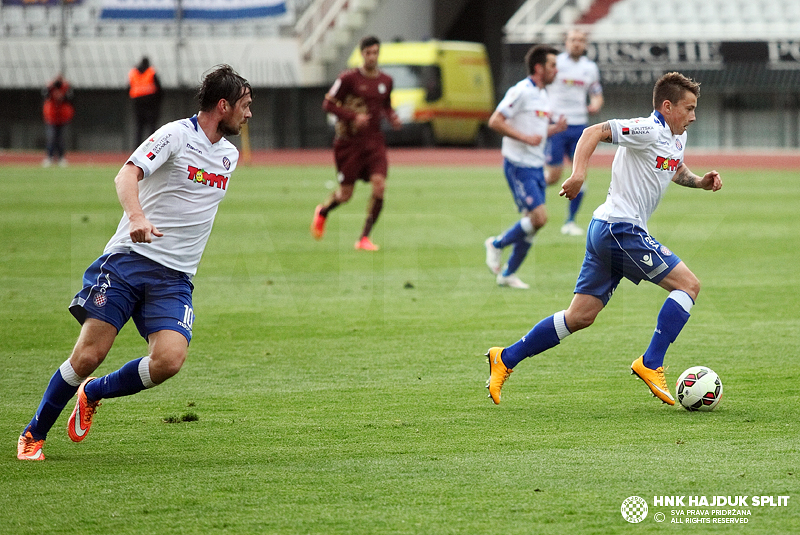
699, 389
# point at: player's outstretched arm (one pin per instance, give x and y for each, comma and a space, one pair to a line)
591, 137
684, 177
127, 184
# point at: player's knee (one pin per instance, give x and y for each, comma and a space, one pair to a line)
693, 287
580, 321
343, 195
164, 366
86, 358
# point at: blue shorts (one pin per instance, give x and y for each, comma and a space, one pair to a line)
563, 143
121, 286
527, 185
616, 250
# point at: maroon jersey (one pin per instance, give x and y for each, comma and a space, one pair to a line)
353, 93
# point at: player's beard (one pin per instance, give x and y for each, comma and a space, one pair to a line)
229, 130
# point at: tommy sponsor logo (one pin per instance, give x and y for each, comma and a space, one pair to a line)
667, 164
158, 146
209, 179
574, 82
540, 113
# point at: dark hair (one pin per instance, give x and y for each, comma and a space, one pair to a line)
222, 83
368, 41
537, 55
672, 87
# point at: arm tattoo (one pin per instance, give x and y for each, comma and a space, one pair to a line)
686, 178
606, 133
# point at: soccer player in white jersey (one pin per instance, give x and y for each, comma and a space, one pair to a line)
576, 93
523, 118
650, 155
169, 189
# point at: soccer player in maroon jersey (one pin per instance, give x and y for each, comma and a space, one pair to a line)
359, 98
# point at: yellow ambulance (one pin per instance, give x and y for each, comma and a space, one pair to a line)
443, 90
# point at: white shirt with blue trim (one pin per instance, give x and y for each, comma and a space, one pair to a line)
527, 109
644, 164
185, 179
570, 91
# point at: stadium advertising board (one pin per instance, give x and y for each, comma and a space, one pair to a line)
644, 62
192, 9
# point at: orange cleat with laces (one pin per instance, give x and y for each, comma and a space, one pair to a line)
80, 421
29, 449
498, 373
654, 379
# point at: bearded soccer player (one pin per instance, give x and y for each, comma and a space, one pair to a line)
359, 98
169, 189
649, 156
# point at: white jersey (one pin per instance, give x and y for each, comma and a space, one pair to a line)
574, 83
185, 178
645, 162
526, 108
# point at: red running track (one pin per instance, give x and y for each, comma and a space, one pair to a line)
699, 160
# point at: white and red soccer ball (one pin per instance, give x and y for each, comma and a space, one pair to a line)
699, 389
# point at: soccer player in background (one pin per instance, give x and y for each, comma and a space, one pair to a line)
650, 154
359, 98
523, 118
169, 189
576, 93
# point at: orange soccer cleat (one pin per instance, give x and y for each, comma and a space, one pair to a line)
498, 373
318, 224
80, 421
365, 244
29, 449
654, 379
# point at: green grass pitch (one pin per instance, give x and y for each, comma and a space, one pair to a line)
330, 391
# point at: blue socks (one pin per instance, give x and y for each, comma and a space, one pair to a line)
516, 233
546, 334
518, 254
521, 236
133, 377
62, 387
673, 316
550, 331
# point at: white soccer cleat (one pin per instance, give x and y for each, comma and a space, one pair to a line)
512, 281
571, 229
494, 256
